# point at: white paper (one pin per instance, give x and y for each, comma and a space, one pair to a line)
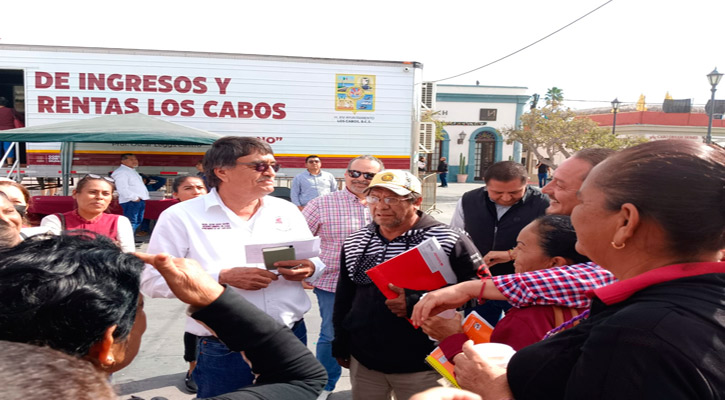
304, 249
437, 259
496, 353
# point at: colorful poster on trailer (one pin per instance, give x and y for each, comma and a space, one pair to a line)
354, 92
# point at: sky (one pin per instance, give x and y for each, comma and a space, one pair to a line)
624, 49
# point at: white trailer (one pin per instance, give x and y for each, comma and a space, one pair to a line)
334, 108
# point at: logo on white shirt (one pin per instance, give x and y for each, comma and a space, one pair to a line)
215, 226
281, 225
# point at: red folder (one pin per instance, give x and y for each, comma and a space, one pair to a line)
420, 268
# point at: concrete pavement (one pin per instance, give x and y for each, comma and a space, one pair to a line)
159, 368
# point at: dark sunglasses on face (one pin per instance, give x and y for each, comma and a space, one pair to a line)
20, 209
356, 174
94, 176
261, 166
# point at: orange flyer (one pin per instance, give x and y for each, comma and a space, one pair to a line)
477, 329
440, 363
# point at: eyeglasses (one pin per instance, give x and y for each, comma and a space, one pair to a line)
261, 166
94, 176
21, 209
356, 174
391, 201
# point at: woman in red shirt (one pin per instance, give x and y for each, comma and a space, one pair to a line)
93, 195
546, 242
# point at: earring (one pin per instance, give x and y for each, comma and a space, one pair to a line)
618, 246
110, 361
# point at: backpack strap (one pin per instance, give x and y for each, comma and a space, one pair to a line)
559, 317
61, 217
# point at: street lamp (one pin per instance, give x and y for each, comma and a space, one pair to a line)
714, 78
615, 107
461, 137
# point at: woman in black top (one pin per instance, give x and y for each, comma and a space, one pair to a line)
658, 332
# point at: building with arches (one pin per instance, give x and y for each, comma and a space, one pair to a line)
474, 116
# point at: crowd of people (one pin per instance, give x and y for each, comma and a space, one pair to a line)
608, 281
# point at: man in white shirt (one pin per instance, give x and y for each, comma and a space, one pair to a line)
132, 193
312, 183
214, 229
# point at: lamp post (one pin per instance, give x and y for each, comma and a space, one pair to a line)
615, 107
714, 78
461, 137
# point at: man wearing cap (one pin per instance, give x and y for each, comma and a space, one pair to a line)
333, 218
373, 337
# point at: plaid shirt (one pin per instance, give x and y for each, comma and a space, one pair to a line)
333, 218
563, 286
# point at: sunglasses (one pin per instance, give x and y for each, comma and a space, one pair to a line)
94, 176
21, 209
356, 174
261, 166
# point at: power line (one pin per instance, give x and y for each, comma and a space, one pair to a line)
526, 47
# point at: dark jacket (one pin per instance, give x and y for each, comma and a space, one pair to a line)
488, 232
364, 326
663, 342
286, 368
442, 167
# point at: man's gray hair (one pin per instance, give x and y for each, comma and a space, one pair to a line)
366, 157
225, 151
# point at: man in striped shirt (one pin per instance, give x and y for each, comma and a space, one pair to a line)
372, 336
333, 217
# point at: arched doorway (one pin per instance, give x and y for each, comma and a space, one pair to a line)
485, 153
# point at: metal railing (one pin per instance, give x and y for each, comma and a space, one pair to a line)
430, 185
15, 168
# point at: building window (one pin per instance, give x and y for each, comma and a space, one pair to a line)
487, 114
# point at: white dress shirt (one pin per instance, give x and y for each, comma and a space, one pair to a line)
129, 185
206, 230
458, 219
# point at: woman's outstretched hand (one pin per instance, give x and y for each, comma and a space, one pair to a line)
447, 298
186, 279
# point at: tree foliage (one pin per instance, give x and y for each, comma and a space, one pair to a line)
553, 130
431, 116
554, 96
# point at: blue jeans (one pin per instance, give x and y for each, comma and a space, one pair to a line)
133, 210
444, 179
220, 370
6, 146
326, 300
542, 180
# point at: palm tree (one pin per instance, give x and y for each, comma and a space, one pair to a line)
554, 96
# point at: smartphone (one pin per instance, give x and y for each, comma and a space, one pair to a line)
273, 254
